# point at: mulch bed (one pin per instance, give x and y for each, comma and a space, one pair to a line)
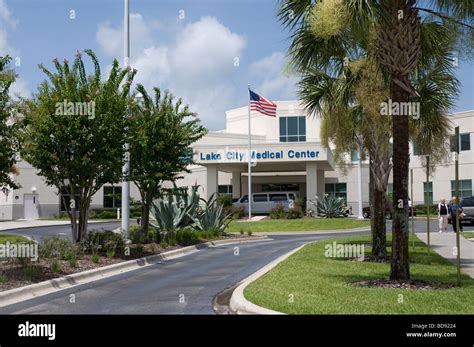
411, 284
14, 275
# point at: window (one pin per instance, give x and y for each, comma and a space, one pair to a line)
428, 193
245, 198
390, 189
278, 197
112, 196
467, 202
260, 198
354, 155
225, 189
280, 187
293, 129
67, 197
465, 140
465, 188
337, 189
416, 150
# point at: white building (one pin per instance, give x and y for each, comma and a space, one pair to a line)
287, 156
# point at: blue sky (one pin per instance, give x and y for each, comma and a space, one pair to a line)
208, 57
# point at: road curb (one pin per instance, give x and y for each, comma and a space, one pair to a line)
32, 291
240, 305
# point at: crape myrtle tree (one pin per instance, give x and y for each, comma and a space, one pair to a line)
162, 130
8, 129
73, 132
398, 50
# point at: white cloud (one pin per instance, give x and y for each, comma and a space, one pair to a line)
5, 48
110, 39
6, 15
276, 81
194, 65
19, 88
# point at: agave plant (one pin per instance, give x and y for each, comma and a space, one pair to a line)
212, 217
174, 210
330, 206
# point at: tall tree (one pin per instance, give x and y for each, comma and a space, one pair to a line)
74, 134
161, 133
8, 129
345, 27
399, 50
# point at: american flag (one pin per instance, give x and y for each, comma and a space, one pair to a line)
260, 104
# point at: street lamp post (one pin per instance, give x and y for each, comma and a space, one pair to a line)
126, 165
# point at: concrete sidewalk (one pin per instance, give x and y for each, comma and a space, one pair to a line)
23, 223
444, 243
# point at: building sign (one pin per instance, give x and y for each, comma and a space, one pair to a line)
265, 155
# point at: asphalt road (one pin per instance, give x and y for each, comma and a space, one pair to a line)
181, 286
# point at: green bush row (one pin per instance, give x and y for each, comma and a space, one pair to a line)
278, 212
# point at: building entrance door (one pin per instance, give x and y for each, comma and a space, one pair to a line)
30, 203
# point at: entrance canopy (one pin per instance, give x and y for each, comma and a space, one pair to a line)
266, 157
271, 158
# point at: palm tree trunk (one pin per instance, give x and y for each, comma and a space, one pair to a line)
379, 232
400, 230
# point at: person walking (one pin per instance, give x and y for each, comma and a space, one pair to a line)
454, 209
443, 215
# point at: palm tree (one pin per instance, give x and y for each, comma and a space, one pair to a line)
346, 28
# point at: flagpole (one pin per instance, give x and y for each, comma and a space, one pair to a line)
249, 164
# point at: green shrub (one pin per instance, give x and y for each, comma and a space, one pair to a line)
137, 251
421, 209
72, 262
135, 213
100, 242
294, 213
187, 237
235, 212
95, 258
301, 204
241, 231
225, 200
107, 215
277, 212
249, 232
56, 266
59, 248
164, 244
103, 213
136, 234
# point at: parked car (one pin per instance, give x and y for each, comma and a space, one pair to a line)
467, 204
262, 203
388, 210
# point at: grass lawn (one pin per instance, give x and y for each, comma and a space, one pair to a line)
468, 234
4, 238
304, 224
320, 285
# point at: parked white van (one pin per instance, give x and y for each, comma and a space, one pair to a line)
262, 203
